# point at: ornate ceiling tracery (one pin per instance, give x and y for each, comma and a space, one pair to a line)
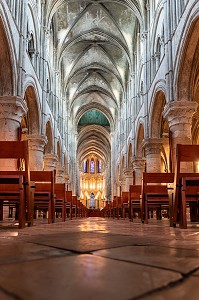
94, 45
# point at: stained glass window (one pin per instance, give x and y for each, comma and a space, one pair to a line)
85, 166
92, 166
99, 166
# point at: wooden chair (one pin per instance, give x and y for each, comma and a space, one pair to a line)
60, 199
105, 210
124, 203
69, 204
44, 196
74, 206
186, 184
155, 195
18, 150
12, 194
134, 200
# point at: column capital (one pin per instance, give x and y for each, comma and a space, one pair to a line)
139, 163
37, 142
152, 145
50, 161
12, 107
179, 112
128, 172
60, 174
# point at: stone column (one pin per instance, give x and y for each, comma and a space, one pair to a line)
179, 115
128, 173
12, 110
122, 185
152, 152
50, 162
138, 168
59, 174
36, 151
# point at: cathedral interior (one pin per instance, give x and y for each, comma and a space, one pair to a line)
99, 149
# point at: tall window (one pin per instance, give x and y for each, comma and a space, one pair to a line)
99, 166
85, 166
92, 166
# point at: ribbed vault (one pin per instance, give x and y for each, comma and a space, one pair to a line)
94, 55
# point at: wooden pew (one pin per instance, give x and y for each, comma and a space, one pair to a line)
44, 196
18, 150
186, 184
134, 200
154, 194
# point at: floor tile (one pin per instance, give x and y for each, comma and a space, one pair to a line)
14, 251
82, 277
87, 241
183, 261
188, 290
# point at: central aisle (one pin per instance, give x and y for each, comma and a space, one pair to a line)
98, 258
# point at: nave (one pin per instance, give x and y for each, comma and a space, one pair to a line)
99, 258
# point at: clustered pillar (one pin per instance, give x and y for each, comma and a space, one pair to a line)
12, 110
179, 115
36, 150
153, 148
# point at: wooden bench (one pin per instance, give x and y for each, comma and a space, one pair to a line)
17, 150
155, 194
186, 185
134, 200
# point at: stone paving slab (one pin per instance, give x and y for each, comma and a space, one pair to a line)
14, 251
183, 261
82, 277
87, 241
188, 290
181, 244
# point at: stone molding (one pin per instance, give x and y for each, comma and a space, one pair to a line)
179, 112
50, 161
13, 108
60, 174
128, 172
152, 146
37, 142
139, 163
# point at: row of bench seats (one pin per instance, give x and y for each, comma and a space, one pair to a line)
168, 191
30, 191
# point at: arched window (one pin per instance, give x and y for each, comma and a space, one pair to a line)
92, 166
99, 166
86, 166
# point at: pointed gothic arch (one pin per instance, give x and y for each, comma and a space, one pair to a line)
34, 115
6, 69
139, 141
49, 135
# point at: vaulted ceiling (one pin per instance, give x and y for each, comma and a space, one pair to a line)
94, 42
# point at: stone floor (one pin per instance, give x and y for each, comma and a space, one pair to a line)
98, 258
